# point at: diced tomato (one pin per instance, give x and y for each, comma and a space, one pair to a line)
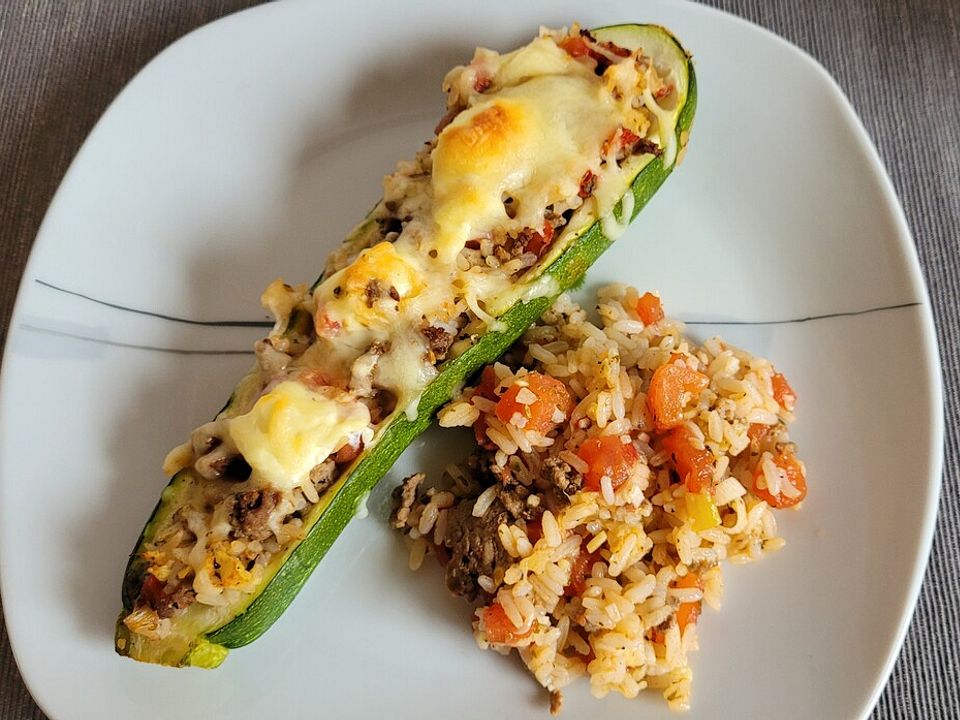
550, 396
488, 383
663, 91
538, 242
480, 433
588, 183
606, 455
151, 592
783, 393
347, 453
795, 475
313, 379
499, 628
579, 572
576, 46
481, 83
669, 387
694, 466
620, 138
649, 309
324, 325
627, 137
534, 530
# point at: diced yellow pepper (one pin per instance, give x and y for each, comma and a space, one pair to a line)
702, 511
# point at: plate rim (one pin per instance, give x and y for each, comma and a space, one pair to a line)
905, 242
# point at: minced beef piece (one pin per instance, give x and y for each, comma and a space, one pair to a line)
372, 292
474, 547
405, 495
515, 501
438, 339
251, 513
323, 475
562, 476
153, 596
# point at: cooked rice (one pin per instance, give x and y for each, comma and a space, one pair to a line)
653, 551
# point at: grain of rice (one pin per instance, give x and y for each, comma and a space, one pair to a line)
685, 595
486, 582
509, 605
418, 551
574, 461
551, 530
484, 501
427, 518
460, 414
606, 489
641, 529
526, 396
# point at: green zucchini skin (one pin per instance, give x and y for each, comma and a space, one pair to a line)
566, 270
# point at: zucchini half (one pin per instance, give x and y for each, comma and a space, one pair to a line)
203, 637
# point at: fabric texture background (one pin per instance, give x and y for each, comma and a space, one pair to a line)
63, 61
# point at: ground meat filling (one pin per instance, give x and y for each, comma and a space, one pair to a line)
251, 513
474, 548
439, 340
405, 495
153, 595
562, 476
324, 474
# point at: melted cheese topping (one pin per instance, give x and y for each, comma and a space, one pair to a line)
530, 135
292, 428
374, 290
531, 141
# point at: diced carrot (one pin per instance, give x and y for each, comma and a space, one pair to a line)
671, 388
783, 393
550, 396
606, 455
795, 475
499, 628
687, 612
649, 308
694, 466
580, 571
757, 432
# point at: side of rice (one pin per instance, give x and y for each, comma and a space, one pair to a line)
618, 466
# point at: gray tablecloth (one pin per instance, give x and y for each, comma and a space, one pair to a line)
62, 61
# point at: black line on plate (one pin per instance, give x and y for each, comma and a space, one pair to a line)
792, 321
266, 324
133, 346
171, 318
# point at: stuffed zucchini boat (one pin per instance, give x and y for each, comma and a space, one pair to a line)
544, 156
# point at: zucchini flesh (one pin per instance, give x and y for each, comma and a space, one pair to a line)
339, 503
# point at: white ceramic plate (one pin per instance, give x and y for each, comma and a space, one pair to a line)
246, 151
